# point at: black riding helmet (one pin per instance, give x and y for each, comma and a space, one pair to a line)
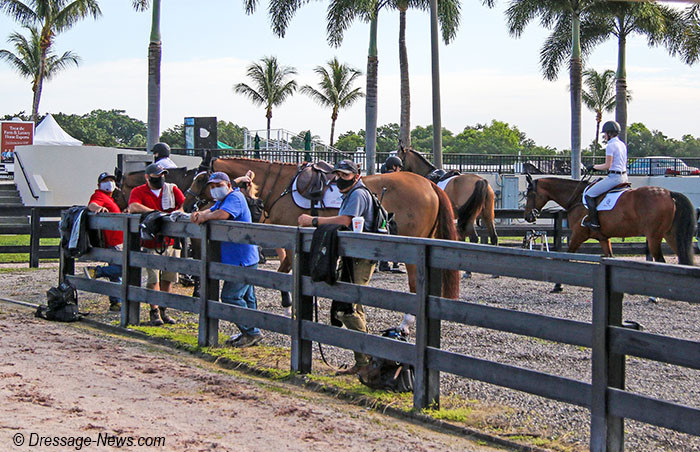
161, 150
393, 161
611, 127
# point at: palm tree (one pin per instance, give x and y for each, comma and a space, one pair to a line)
51, 18
155, 50
27, 58
564, 18
336, 91
656, 22
272, 85
600, 96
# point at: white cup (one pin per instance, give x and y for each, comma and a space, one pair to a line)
358, 223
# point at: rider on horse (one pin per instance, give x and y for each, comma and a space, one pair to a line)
615, 164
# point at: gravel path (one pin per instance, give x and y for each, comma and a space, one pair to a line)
515, 412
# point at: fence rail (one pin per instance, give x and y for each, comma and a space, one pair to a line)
42, 223
604, 394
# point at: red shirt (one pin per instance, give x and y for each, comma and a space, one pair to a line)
103, 199
143, 195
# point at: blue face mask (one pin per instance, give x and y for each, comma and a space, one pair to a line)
219, 193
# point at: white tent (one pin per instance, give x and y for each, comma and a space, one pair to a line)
48, 132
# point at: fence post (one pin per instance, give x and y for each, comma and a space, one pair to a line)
131, 276
34, 236
66, 264
208, 290
608, 369
302, 309
558, 229
426, 390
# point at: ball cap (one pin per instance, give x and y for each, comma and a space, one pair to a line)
155, 169
347, 167
104, 176
217, 177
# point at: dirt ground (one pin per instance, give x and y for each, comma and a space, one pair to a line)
65, 381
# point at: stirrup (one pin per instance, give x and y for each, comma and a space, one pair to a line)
586, 223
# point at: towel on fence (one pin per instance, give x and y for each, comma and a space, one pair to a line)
168, 200
76, 239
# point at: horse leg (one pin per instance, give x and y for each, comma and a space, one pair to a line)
654, 252
575, 242
408, 319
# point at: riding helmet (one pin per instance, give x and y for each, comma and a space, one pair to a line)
611, 127
393, 161
161, 149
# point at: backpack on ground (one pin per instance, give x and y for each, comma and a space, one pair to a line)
62, 304
390, 375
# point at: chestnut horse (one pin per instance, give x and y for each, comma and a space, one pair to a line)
182, 177
653, 212
421, 209
471, 196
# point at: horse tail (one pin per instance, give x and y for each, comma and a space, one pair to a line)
683, 227
466, 214
445, 229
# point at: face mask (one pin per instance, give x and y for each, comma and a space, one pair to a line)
108, 186
219, 193
344, 183
156, 182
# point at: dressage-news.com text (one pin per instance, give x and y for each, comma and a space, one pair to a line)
78, 442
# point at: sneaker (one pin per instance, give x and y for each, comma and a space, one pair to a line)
154, 315
248, 340
396, 269
354, 370
90, 272
115, 306
166, 318
384, 267
233, 340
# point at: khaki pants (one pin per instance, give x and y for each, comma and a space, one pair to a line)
154, 276
362, 273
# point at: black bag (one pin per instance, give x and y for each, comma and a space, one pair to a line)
390, 375
324, 253
86, 238
62, 304
150, 226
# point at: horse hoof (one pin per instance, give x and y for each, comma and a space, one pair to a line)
467, 275
286, 300
495, 276
653, 300
557, 289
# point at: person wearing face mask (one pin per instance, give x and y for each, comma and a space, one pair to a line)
157, 195
102, 202
357, 202
231, 205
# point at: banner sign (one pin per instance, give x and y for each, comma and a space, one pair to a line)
14, 133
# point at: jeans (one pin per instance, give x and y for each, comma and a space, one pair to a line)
243, 295
112, 272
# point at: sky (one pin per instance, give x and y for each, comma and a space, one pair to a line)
485, 73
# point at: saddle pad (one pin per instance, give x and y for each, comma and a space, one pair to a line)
331, 198
443, 183
608, 203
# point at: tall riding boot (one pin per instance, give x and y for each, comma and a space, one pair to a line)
592, 221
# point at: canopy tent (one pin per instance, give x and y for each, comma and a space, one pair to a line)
222, 145
48, 132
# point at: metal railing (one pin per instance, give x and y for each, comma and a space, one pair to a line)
604, 395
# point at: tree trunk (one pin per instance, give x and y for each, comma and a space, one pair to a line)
621, 88
44, 44
371, 100
575, 80
154, 57
269, 121
598, 118
334, 116
405, 128
435, 60
36, 97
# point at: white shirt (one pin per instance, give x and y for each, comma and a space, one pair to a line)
166, 163
618, 151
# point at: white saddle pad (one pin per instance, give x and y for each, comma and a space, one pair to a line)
608, 203
444, 183
331, 198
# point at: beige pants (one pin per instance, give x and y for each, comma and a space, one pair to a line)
362, 273
154, 276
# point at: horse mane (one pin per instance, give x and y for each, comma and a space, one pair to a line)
423, 159
249, 159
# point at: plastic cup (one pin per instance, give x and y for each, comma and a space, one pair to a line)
358, 224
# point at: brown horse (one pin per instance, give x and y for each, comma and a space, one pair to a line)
652, 212
181, 177
472, 197
421, 209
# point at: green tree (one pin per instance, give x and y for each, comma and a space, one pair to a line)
175, 136
230, 134
103, 128
336, 88
350, 141
599, 96
51, 17
154, 57
388, 137
27, 60
271, 85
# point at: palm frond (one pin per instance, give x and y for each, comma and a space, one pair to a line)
18, 11
141, 5
73, 12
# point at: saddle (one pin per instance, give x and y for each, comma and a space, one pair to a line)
440, 175
313, 178
620, 187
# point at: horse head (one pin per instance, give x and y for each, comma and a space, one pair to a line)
532, 210
197, 192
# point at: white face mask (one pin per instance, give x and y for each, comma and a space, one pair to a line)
218, 193
108, 186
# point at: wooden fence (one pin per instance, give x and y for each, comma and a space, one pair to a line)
43, 223
605, 395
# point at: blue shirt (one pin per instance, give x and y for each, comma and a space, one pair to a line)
236, 253
358, 203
